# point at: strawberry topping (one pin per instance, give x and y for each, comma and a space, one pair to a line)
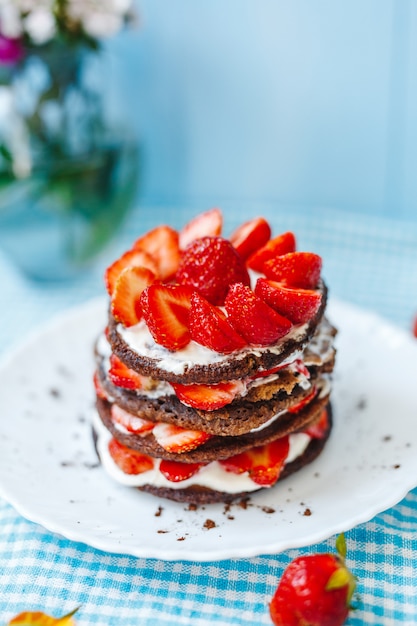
319, 429
98, 387
304, 402
209, 327
251, 236
122, 376
131, 258
209, 397
178, 440
128, 460
166, 311
208, 224
210, 265
175, 471
263, 463
125, 300
257, 322
297, 305
282, 244
132, 423
295, 269
162, 244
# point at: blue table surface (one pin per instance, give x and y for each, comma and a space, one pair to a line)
369, 261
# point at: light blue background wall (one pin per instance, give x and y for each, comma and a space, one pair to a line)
303, 102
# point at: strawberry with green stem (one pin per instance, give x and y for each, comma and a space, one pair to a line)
315, 590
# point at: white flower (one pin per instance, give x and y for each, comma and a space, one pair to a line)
40, 25
10, 20
37, 18
99, 18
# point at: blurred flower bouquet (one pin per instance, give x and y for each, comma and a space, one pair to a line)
67, 175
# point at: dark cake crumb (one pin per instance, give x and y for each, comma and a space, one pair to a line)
268, 509
209, 523
159, 511
307, 512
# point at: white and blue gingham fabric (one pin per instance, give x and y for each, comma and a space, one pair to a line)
369, 261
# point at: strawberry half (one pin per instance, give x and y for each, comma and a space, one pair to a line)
209, 327
209, 397
263, 463
122, 376
319, 429
131, 258
250, 236
207, 224
210, 265
162, 244
166, 310
132, 423
178, 440
253, 319
297, 305
98, 387
282, 244
125, 300
175, 471
128, 460
295, 408
295, 269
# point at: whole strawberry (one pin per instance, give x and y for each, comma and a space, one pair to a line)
210, 265
315, 590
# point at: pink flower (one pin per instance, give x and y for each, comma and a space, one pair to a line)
11, 50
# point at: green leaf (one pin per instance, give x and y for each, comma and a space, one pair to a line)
340, 578
341, 545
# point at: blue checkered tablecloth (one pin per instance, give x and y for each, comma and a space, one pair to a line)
369, 261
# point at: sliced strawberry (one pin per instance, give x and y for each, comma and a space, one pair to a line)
98, 387
209, 327
251, 236
122, 376
282, 244
253, 319
210, 265
270, 372
319, 429
125, 299
131, 258
132, 423
178, 440
162, 244
297, 305
295, 269
176, 471
263, 463
209, 397
208, 224
166, 309
304, 402
128, 460
415, 327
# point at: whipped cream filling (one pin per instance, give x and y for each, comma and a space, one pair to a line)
213, 475
140, 340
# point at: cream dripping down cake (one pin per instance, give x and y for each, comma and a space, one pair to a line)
213, 373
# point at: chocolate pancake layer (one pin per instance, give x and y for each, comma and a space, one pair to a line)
216, 447
239, 365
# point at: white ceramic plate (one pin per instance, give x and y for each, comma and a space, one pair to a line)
49, 471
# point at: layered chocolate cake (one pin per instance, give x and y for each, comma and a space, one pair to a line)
213, 374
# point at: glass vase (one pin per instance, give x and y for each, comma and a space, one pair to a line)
68, 176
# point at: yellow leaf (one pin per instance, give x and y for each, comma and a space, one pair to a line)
36, 618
